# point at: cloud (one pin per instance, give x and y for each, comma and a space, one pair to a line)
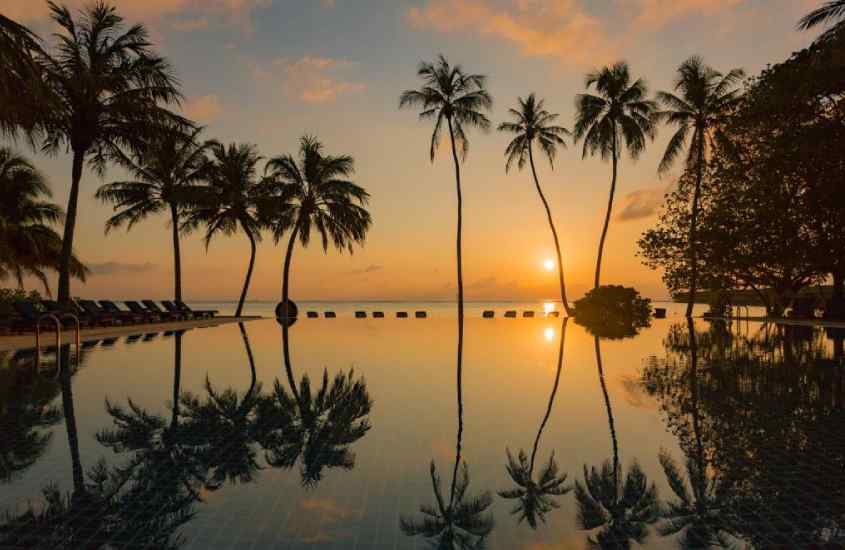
657, 13
111, 268
204, 108
328, 3
194, 24
372, 268
558, 29
310, 79
642, 203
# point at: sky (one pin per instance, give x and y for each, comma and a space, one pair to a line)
269, 71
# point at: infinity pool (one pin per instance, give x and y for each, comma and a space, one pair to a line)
731, 435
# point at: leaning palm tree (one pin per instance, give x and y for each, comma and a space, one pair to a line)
314, 191
705, 98
452, 97
830, 11
536, 497
166, 171
110, 89
619, 116
230, 200
29, 246
534, 123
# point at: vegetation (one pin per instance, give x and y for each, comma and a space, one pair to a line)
458, 99
314, 191
533, 123
29, 246
620, 116
613, 311
167, 171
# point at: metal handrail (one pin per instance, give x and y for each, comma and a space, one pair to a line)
57, 319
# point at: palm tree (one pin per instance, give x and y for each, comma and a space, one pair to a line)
23, 97
28, 243
533, 122
706, 98
166, 171
621, 510
619, 116
452, 96
110, 88
535, 497
231, 199
833, 10
315, 191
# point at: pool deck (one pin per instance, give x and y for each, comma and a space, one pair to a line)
48, 338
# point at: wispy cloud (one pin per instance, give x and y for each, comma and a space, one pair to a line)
559, 29
204, 108
372, 268
111, 268
310, 79
657, 13
642, 203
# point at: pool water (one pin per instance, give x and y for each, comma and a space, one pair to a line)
727, 436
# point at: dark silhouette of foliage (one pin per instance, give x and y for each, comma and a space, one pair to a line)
613, 311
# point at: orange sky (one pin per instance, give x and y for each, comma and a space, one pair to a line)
267, 71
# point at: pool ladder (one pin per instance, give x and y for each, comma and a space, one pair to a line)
57, 320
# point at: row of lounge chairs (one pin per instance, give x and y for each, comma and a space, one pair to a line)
105, 313
488, 314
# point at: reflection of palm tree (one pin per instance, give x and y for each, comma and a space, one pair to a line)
224, 425
621, 510
25, 412
699, 512
316, 427
460, 522
535, 497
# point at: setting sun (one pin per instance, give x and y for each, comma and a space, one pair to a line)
548, 264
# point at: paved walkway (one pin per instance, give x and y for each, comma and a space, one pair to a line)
48, 335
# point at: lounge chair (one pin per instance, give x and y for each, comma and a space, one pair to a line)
149, 336
100, 315
85, 319
132, 338
27, 316
312, 315
378, 315
171, 308
421, 315
109, 342
209, 313
331, 315
360, 314
133, 317
135, 307
401, 314
528, 314
488, 314
168, 315
511, 314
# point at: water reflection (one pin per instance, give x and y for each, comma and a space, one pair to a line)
461, 521
317, 425
759, 423
536, 497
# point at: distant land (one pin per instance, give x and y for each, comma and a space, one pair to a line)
750, 298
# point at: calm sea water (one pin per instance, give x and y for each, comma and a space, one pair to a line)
750, 416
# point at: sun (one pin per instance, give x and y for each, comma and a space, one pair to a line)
548, 264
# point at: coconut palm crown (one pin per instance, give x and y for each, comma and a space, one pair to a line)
833, 10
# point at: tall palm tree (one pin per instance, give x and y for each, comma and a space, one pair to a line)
535, 497
705, 98
110, 89
833, 10
231, 199
622, 510
533, 123
618, 116
315, 191
451, 96
166, 171
28, 243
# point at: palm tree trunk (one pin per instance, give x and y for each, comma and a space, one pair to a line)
248, 272
607, 406
288, 367
459, 370
551, 397
70, 226
70, 422
693, 249
177, 255
177, 378
250, 358
609, 209
563, 299
286, 270
696, 422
